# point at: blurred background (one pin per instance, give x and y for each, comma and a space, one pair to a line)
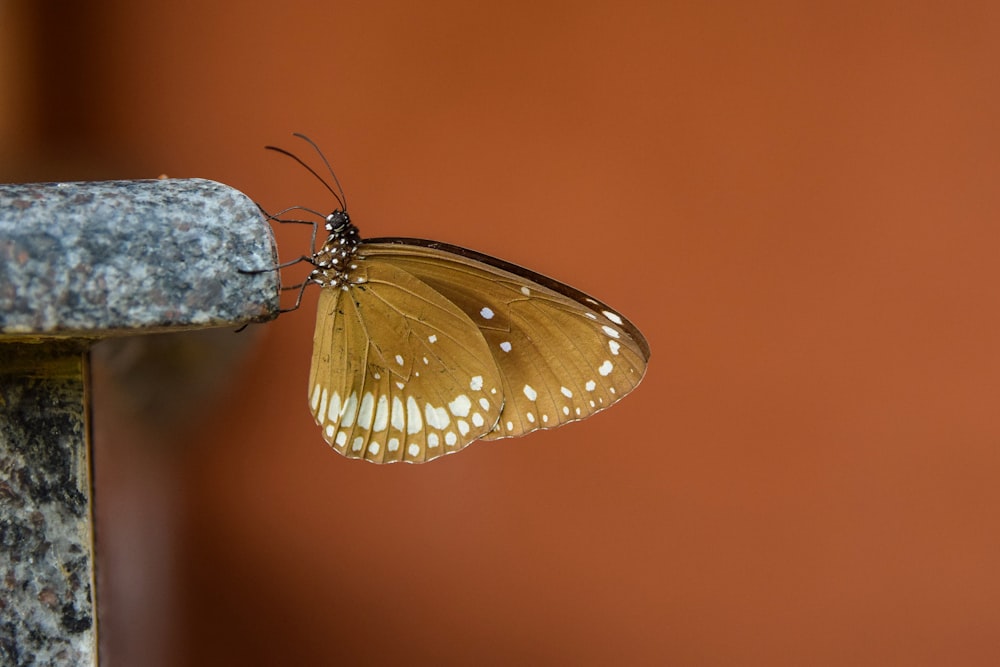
796, 202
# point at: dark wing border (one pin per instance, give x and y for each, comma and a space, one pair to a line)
518, 270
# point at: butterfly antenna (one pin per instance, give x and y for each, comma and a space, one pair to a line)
340, 199
343, 197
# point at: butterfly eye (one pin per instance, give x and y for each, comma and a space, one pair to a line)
421, 348
337, 222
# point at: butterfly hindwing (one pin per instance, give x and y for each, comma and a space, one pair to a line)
399, 372
562, 355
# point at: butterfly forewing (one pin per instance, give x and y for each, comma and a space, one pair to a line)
562, 355
399, 372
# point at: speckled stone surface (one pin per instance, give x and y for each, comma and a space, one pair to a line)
79, 262
46, 556
89, 259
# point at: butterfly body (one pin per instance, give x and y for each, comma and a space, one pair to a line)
333, 261
421, 347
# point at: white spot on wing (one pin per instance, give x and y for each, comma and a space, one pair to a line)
530, 392
605, 368
432, 440
373, 448
356, 445
413, 449
341, 439
314, 401
460, 406
333, 412
476, 383
350, 410
486, 313
613, 317
414, 423
484, 403
398, 418
399, 359
477, 419
436, 417
611, 332
450, 438
591, 385
566, 392
613, 346
432, 338
366, 411
505, 346
381, 414
393, 444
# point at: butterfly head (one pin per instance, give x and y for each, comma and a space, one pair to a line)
342, 233
338, 221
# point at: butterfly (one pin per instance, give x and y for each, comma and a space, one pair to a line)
422, 347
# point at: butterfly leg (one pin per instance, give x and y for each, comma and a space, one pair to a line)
315, 225
298, 297
279, 267
312, 244
301, 287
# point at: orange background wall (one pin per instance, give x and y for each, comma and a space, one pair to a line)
796, 202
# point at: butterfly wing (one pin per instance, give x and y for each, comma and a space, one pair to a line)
562, 354
399, 373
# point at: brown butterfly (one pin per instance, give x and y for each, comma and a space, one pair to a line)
423, 347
